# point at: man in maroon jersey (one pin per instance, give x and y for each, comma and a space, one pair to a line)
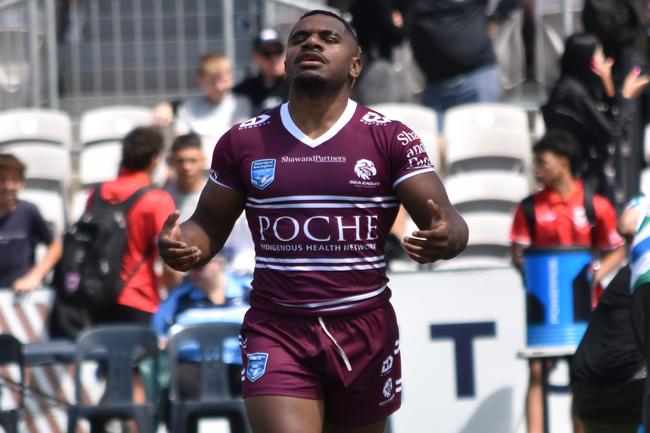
321, 179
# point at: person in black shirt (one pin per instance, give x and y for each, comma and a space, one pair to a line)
451, 44
607, 370
268, 88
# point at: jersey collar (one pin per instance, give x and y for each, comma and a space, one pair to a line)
293, 129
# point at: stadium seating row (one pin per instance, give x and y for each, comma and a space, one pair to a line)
487, 161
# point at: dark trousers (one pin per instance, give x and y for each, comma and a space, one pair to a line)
640, 312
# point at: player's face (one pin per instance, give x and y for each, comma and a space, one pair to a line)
321, 53
10, 184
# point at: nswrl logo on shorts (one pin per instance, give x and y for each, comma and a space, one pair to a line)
256, 365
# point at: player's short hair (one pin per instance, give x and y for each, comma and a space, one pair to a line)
186, 141
8, 162
561, 143
214, 63
140, 147
347, 25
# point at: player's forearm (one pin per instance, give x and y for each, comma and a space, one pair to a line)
195, 235
458, 237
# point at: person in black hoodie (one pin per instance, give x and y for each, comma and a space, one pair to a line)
585, 102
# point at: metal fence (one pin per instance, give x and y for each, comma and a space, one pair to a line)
28, 54
81, 54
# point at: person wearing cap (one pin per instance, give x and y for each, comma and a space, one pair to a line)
268, 88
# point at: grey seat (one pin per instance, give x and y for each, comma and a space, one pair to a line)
215, 397
118, 349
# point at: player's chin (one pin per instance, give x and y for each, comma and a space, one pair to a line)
310, 79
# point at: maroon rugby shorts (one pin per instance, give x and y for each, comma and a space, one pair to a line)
351, 362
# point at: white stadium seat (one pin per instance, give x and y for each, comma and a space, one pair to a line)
35, 125
421, 119
112, 123
99, 162
43, 161
487, 186
488, 150
485, 116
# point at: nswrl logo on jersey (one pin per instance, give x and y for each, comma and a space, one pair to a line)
256, 365
262, 173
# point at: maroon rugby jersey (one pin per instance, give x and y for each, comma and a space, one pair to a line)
319, 210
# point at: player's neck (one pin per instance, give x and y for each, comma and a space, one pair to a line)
315, 115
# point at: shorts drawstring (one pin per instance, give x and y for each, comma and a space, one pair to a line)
340, 350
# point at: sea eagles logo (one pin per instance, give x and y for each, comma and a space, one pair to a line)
262, 173
365, 169
256, 365
255, 121
388, 388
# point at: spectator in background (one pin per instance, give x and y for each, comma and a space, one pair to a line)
22, 228
139, 298
188, 179
269, 87
621, 26
560, 220
187, 162
379, 27
214, 111
210, 294
607, 370
586, 103
451, 44
634, 225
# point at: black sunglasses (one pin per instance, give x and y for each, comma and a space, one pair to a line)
271, 53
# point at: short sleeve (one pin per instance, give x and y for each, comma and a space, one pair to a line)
520, 232
224, 170
41, 232
606, 236
408, 155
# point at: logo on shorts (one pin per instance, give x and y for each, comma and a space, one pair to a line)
387, 365
262, 173
388, 388
256, 366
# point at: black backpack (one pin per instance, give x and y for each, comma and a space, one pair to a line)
93, 248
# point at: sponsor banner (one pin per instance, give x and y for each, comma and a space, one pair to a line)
460, 336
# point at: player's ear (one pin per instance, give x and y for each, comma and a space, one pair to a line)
356, 65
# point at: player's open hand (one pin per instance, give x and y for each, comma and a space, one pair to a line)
427, 246
174, 252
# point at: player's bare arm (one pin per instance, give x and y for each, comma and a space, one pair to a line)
443, 232
194, 242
